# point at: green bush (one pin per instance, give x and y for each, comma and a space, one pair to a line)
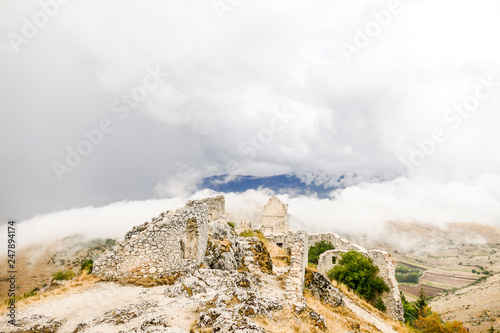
316, 250
358, 273
231, 224
87, 265
61, 276
408, 278
410, 312
380, 305
407, 274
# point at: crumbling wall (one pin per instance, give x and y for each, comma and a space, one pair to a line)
274, 217
327, 260
387, 271
216, 207
338, 242
298, 250
173, 243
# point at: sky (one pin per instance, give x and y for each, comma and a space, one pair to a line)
120, 106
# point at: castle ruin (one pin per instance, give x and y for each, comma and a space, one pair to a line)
274, 218
387, 272
197, 235
172, 243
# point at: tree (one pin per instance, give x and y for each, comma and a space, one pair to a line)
359, 274
421, 303
410, 312
491, 329
316, 250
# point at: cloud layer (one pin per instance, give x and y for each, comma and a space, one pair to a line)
269, 89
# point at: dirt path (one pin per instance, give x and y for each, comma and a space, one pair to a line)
362, 313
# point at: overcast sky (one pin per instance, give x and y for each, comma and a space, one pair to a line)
113, 101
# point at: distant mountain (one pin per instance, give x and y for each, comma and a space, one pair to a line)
281, 184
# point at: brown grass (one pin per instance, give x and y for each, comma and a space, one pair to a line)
399, 327
150, 282
78, 285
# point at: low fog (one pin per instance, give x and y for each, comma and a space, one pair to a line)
359, 210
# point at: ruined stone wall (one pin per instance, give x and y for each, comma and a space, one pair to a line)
173, 243
274, 217
297, 247
327, 260
387, 271
216, 207
338, 242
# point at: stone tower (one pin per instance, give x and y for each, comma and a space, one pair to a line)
274, 217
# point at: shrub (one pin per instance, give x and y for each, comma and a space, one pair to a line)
316, 250
408, 278
61, 276
359, 274
407, 274
231, 224
87, 265
432, 323
380, 305
410, 312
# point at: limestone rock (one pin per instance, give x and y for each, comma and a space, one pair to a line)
227, 320
322, 289
35, 323
224, 249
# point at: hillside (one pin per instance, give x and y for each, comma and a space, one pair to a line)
459, 265
188, 271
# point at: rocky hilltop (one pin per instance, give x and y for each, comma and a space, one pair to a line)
189, 271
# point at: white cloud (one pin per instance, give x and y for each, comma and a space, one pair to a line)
225, 78
359, 210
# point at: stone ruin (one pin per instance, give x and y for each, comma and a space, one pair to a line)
297, 247
274, 218
171, 244
196, 236
387, 272
381, 259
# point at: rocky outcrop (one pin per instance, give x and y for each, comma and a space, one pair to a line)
255, 254
234, 297
36, 323
224, 248
321, 288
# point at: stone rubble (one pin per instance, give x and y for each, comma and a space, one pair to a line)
36, 323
